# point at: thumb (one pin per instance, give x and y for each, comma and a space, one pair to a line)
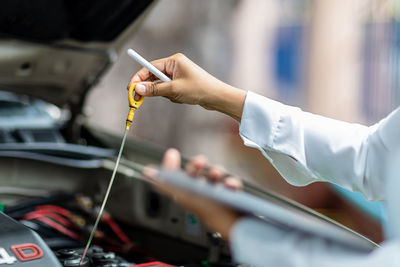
171, 160
153, 88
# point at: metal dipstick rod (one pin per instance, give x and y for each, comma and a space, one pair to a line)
133, 105
105, 198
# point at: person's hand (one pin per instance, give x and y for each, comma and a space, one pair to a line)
190, 85
217, 217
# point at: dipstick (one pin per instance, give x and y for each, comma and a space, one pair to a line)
105, 198
133, 105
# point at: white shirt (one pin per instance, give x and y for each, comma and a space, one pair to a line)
306, 148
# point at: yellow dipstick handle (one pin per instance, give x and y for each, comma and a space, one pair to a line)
133, 105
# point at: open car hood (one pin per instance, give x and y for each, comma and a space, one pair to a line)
56, 50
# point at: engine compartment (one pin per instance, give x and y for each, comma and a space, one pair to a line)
54, 188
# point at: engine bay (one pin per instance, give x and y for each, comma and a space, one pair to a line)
51, 231
52, 189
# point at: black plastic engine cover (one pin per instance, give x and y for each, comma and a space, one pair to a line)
21, 246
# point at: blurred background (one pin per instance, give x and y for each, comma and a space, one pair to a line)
335, 58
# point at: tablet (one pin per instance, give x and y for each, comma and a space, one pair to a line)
273, 210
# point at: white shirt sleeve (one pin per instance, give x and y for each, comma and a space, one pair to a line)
305, 147
259, 244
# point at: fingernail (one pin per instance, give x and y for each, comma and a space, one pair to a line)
171, 160
140, 89
233, 183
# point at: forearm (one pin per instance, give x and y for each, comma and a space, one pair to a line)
226, 99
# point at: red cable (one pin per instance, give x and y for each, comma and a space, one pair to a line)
152, 264
117, 230
52, 210
59, 228
54, 216
55, 209
55, 226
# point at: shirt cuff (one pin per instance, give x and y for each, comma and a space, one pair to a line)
242, 241
260, 244
260, 115
257, 243
266, 122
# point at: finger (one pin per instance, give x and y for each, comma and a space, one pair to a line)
233, 183
145, 75
171, 160
154, 89
164, 189
150, 172
196, 165
176, 194
216, 173
137, 97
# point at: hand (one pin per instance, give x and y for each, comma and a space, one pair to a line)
190, 85
217, 217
